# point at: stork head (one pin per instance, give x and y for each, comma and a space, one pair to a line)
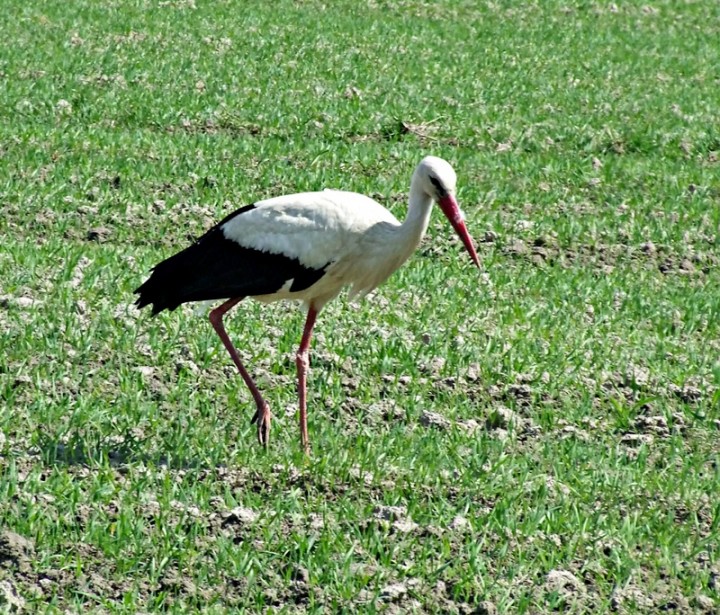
438, 181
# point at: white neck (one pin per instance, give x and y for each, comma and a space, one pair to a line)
412, 230
394, 243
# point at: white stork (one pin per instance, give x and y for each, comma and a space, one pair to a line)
304, 246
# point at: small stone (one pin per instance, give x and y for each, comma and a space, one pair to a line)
186, 365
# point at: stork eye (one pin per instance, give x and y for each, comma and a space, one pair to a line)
438, 186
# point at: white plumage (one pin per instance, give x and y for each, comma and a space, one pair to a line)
305, 246
328, 229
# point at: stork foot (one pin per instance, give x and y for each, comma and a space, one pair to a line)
262, 417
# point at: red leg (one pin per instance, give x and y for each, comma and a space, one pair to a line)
262, 415
302, 361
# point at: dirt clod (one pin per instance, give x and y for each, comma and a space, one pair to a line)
23, 303
459, 523
689, 394
240, 516
485, 608
15, 550
630, 598
435, 420
501, 418
98, 233
395, 517
517, 247
393, 592
301, 574
564, 582
704, 603
10, 600
404, 526
648, 248
389, 513
636, 440
657, 425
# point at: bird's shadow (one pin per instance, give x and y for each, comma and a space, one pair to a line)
117, 451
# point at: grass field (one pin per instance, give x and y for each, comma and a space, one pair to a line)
542, 436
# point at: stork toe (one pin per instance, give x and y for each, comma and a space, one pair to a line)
263, 418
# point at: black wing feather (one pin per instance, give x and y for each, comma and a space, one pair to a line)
215, 267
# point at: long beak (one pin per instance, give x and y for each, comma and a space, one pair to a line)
450, 208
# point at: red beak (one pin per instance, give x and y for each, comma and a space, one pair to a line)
450, 208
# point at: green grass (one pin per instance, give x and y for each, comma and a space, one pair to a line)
580, 134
